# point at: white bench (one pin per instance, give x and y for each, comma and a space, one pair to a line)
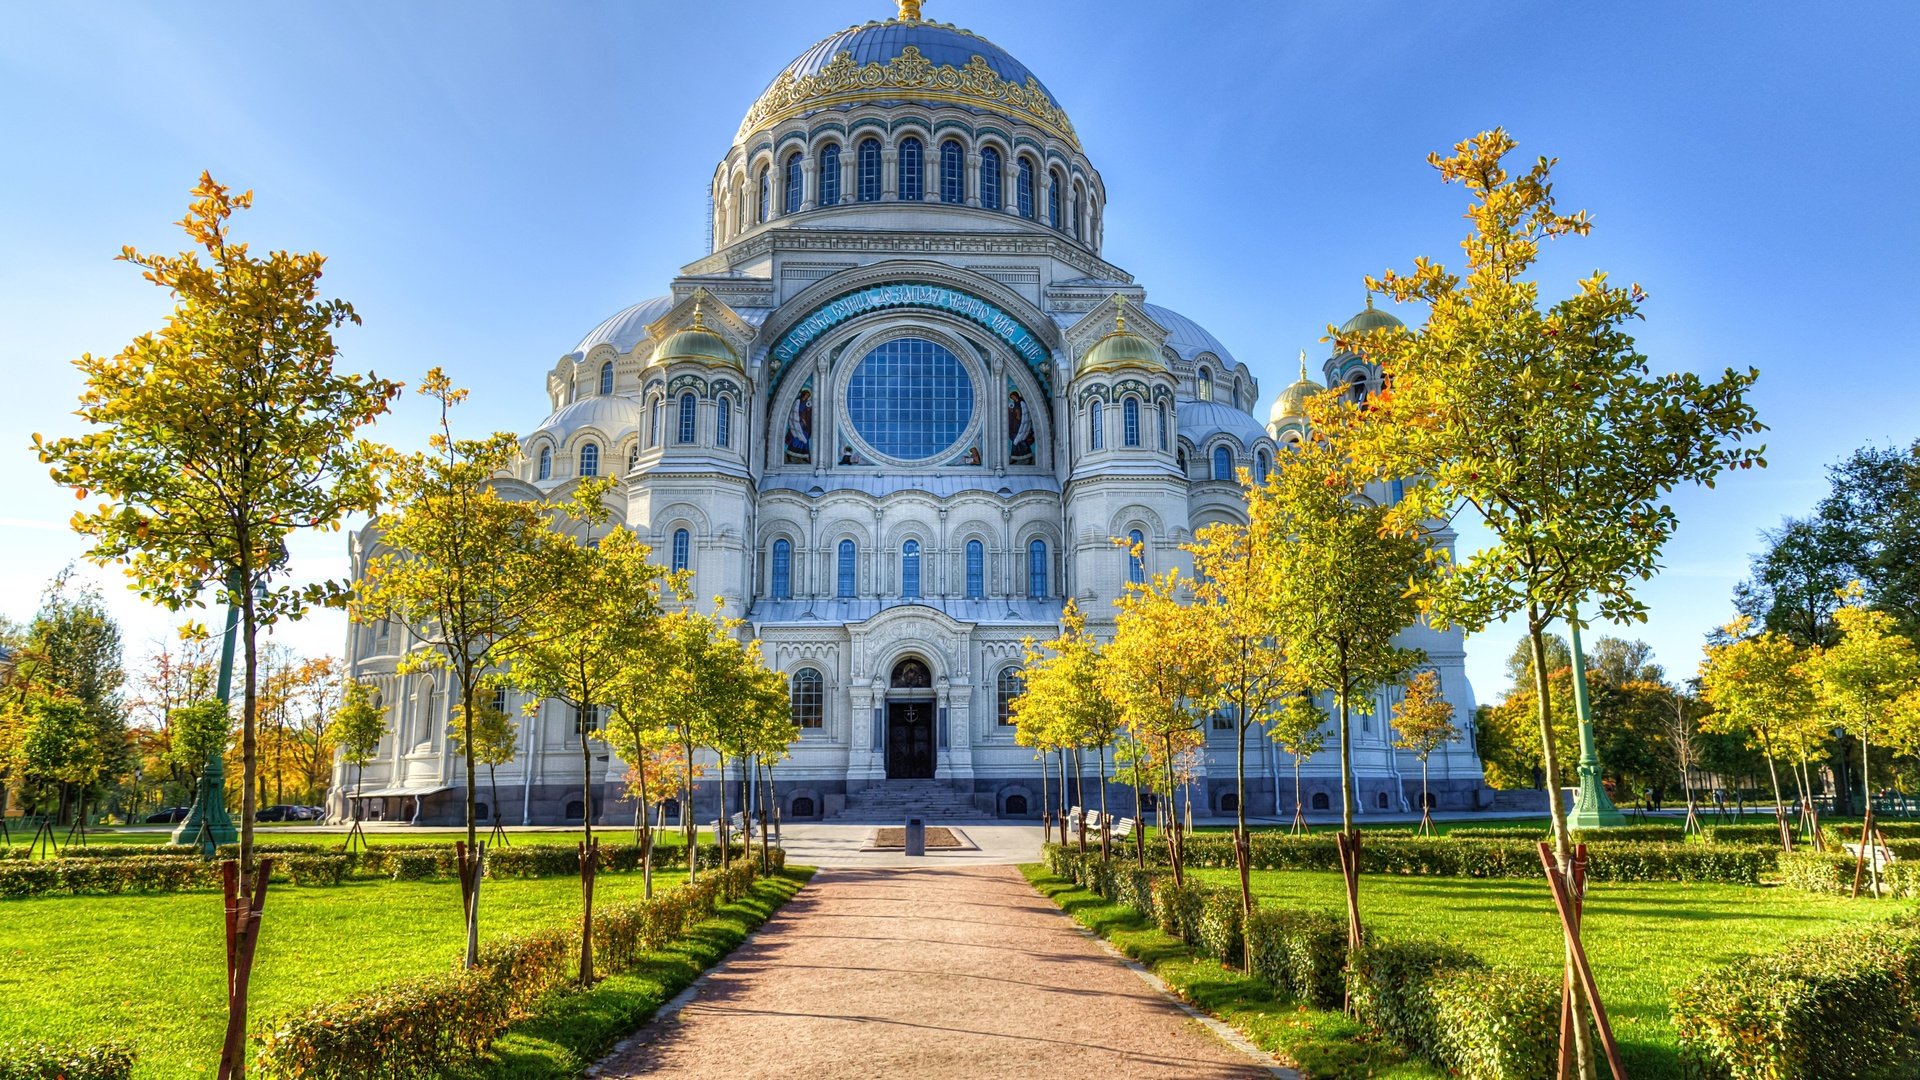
736, 826
1877, 855
1124, 828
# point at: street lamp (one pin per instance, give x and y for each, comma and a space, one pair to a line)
1591, 807
207, 824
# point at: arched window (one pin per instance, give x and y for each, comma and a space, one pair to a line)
1166, 425
766, 193
1136, 558
1357, 388
633, 455
1079, 205
1222, 463
953, 172
653, 429
976, 570
830, 175
782, 586
1262, 465
1023, 189
682, 548
590, 459
869, 178
687, 405
1320, 801
913, 171
723, 422
910, 569
844, 583
1037, 570
809, 697
990, 178
1096, 420
546, 463
500, 699
606, 377
1130, 421
1005, 688
1053, 200
796, 183
1206, 385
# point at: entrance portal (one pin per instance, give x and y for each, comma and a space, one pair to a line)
910, 740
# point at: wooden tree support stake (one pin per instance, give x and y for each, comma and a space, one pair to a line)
1570, 925
243, 937
1299, 819
499, 833
1869, 839
589, 866
472, 864
1566, 975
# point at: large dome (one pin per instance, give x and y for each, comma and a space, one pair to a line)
908, 59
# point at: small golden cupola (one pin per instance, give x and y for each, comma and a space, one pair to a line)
1292, 402
697, 344
1121, 348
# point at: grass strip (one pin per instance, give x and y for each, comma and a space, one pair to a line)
1321, 1044
572, 1030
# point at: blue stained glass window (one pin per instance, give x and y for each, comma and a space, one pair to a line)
1007, 686
910, 398
976, 570
782, 570
1165, 425
953, 172
844, 584
910, 569
1262, 464
1206, 385
830, 175
1096, 425
913, 172
1136, 558
606, 377
1037, 570
796, 185
1053, 201
590, 459
1130, 415
682, 548
686, 416
808, 698
653, 430
990, 178
766, 194
546, 463
1023, 189
1222, 463
1079, 205
869, 170
723, 423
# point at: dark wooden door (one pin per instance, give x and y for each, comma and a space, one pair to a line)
910, 740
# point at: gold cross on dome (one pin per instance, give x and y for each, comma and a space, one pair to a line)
909, 10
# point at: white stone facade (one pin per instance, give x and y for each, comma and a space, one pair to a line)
886, 445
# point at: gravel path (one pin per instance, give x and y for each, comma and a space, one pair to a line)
940, 972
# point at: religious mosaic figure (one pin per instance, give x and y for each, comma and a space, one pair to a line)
1019, 430
800, 428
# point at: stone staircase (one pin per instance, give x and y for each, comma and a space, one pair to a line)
891, 802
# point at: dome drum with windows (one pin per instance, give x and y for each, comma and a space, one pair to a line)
897, 414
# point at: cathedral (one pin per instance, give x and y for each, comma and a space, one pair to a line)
896, 417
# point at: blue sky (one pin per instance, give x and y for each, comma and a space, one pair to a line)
492, 179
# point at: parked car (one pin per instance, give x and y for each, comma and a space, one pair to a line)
283, 812
170, 816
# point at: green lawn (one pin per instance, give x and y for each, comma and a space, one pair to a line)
1643, 939
149, 968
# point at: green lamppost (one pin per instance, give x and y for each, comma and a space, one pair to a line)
1591, 807
207, 824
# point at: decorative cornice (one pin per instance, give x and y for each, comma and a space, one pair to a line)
1039, 241
842, 82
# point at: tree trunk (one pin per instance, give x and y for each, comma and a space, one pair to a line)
470, 876
1350, 836
1779, 803
1046, 803
1106, 828
585, 712
1172, 835
1562, 841
642, 826
1241, 842
1139, 819
688, 826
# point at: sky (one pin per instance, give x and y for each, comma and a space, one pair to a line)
489, 180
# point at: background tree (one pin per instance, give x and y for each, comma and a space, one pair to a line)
1682, 726
1343, 590
1423, 721
1546, 424
59, 750
642, 701
357, 727
496, 739
1159, 673
212, 440
173, 674
1062, 704
1759, 689
464, 573
1875, 504
318, 683
72, 651
1794, 582
1235, 583
1301, 730
1870, 679
200, 729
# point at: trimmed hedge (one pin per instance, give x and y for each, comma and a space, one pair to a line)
1626, 860
1301, 953
128, 851
1830, 873
152, 873
43, 1061
1438, 1001
1844, 1004
315, 869
1658, 833
422, 1027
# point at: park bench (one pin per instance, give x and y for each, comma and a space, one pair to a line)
1093, 822
736, 826
1124, 828
1074, 814
1878, 855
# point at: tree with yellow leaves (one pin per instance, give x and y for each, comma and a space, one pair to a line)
1759, 689
1062, 703
1423, 723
